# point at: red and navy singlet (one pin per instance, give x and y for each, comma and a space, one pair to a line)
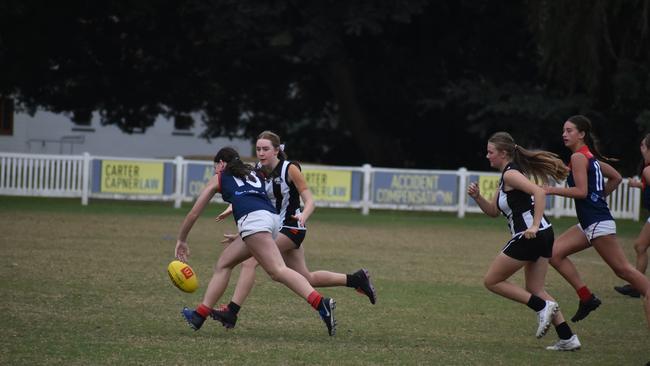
592, 208
245, 195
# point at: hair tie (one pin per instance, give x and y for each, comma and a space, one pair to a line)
281, 147
516, 147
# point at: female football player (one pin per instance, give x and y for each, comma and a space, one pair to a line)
258, 224
642, 242
596, 228
522, 202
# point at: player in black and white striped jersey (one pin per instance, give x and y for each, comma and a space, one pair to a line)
283, 193
518, 207
522, 202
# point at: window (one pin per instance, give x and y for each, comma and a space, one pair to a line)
182, 125
82, 120
6, 116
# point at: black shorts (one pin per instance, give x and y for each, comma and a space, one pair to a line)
296, 235
524, 249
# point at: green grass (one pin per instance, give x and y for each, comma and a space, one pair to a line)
335, 216
87, 286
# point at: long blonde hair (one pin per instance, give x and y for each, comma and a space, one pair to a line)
539, 164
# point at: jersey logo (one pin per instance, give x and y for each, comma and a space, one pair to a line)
255, 182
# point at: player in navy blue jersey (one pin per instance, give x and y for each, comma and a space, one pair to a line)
522, 202
596, 228
258, 224
642, 242
286, 186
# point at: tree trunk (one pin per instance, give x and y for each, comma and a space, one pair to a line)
372, 145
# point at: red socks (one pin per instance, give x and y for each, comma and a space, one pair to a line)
203, 310
314, 299
584, 294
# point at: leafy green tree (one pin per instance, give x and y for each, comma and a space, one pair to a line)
410, 83
596, 55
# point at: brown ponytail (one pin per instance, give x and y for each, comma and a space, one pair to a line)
234, 166
583, 124
540, 165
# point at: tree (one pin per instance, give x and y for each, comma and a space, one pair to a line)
406, 83
598, 52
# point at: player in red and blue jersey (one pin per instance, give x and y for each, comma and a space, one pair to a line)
587, 186
642, 242
258, 224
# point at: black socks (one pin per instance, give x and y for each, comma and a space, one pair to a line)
234, 307
563, 331
536, 303
352, 281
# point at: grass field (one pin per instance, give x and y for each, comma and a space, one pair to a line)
88, 286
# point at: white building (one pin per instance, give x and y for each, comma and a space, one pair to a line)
49, 133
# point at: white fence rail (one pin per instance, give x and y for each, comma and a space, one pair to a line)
180, 180
624, 202
41, 175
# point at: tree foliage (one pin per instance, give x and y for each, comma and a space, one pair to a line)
408, 83
598, 53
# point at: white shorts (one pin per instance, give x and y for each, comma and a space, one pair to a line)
257, 222
598, 229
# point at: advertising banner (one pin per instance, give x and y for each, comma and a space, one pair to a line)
329, 185
489, 184
415, 189
197, 177
121, 176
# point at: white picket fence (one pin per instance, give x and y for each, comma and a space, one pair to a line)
624, 202
70, 176
44, 175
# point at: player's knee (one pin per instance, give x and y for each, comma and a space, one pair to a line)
489, 282
555, 261
640, 247
275, 273
250, 264
310, 278
219, 267
624, 271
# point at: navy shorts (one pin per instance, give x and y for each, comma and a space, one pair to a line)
524, 249
296, 235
